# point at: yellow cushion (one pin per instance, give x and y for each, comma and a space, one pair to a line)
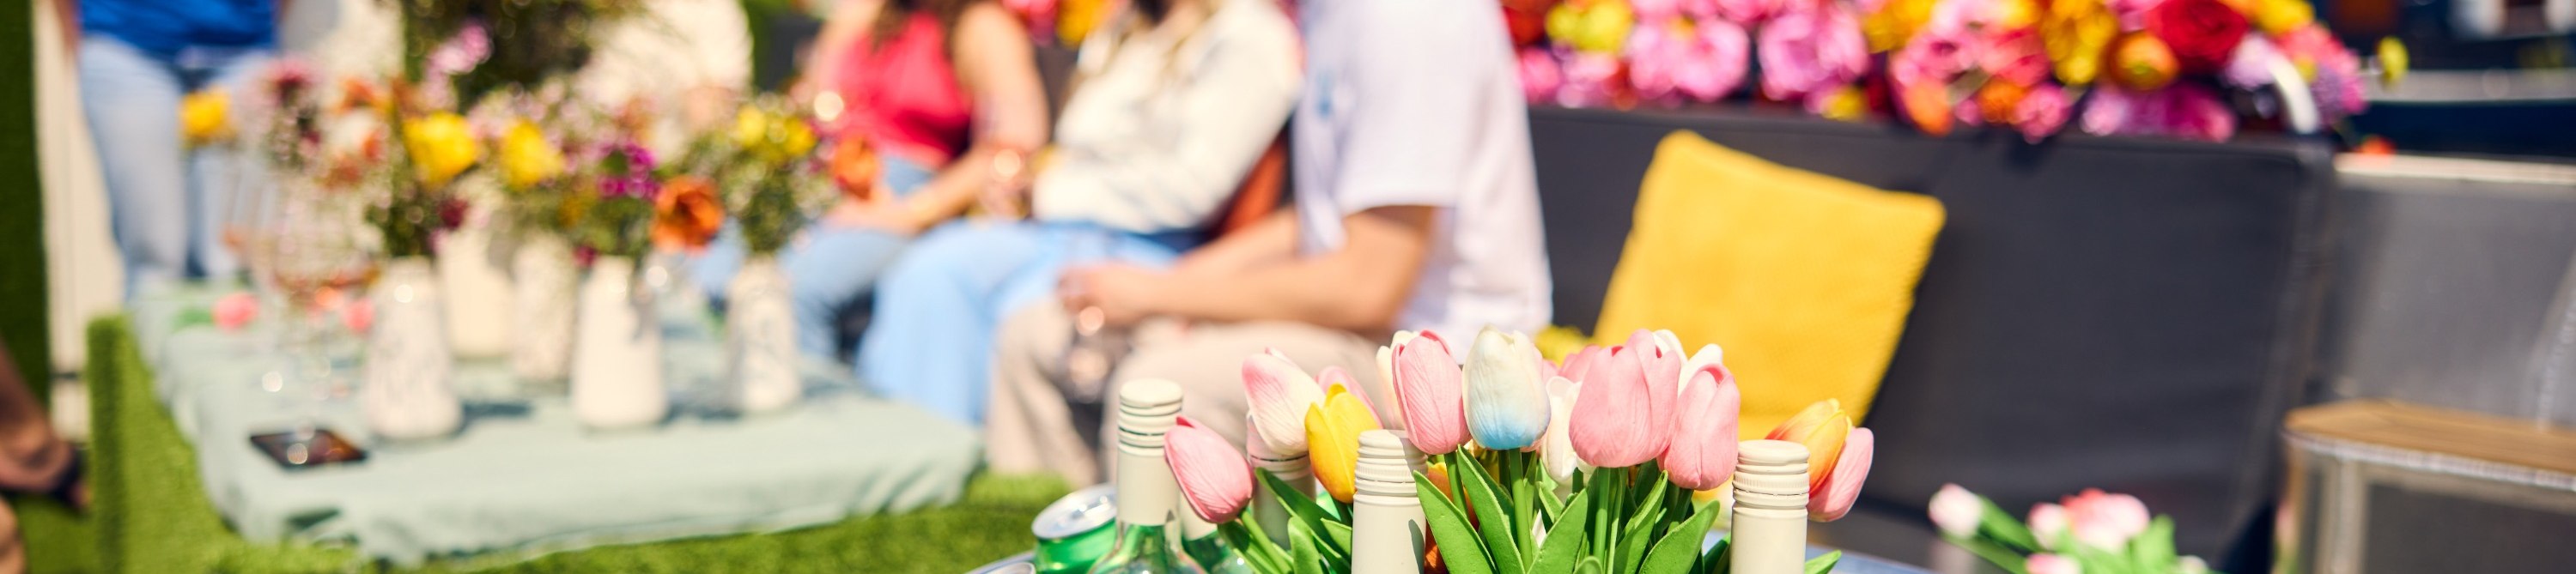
1803, 279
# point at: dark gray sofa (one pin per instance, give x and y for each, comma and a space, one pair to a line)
2129, 314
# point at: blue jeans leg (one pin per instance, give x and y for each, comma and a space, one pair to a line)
132, 100
215, 172
828, 273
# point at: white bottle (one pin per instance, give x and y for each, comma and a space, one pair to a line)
1387, 526
1769, 534
1148, 496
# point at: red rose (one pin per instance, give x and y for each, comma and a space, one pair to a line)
2202, 33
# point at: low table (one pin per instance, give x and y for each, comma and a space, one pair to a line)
524, 476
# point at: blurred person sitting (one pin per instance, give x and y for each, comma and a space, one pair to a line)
679, 67
33, 460
1416, 207
136, 59
943, 90
1170, 109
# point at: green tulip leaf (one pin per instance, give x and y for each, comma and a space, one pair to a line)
1305, 558
1679, 550
1258, 551
2005, 529
1337, 535
1716, 561
2153, 550
1825, 563
1634, 540
1564, 543
1589, 565
1486, 499
1997, 554
1459, 549
1555, 504
1306, 513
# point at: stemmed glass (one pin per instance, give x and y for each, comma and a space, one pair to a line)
314, 249
250, 207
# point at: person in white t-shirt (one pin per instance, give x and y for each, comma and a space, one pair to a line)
1416, 208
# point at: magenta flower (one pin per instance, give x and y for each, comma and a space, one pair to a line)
2042, 112
1812, 49
1676, 60
2251, 66
1540, 76
2133, 13
1750, 12
627, 171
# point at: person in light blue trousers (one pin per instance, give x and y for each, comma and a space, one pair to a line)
136, 59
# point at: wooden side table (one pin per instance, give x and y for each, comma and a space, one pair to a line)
2384, 486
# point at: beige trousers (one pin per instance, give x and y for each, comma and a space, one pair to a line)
1038, 423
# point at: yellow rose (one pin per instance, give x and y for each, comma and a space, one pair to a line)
202, 116
527, 158
441, 146
1895, 23
2281, 16
2076, 32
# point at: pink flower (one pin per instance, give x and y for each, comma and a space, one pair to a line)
358, 315
1279, 394
1811, 49
2183, 110
2015, 56
236, 310
2110, 110
1651, 10
1830, 501
2051, 564
2048, 522
2042, 112
2251, 67
1956, 511
1702, 453
1334, 375
1931, 58
1954, 17
1674, 61
1613, 426
2194, 111
1428, 391
2133, 13
1749, 12
1581, 359
1588, 79
1213, 476
2105, 521
1659, 357
1540, 77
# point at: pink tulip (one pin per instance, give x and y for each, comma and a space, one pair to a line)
1334, 375
2048, 523
1831, 501
2051, 564
2105, 521
1660, 359
1749, 12
1575, 363
1427, 390
1614, 422
1279, 393
1213, 476
1702, 454
1957, 512
235, 310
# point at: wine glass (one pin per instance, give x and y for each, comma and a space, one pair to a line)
315, 253
250, 206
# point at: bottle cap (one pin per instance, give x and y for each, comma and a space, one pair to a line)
1145, 411
1383, 468
1771, 453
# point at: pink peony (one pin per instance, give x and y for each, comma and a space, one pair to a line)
1540, 77
2105, 521
2184, 110
1811, 50
2042, 112
1675, 61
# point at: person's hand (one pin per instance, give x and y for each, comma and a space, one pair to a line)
889, 215
1123, 294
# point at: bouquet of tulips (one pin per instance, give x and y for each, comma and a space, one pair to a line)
1616, 460
2093, 531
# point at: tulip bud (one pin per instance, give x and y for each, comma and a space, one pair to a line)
1707, 355
1280, 393
1557, 450
2048, 523
1659, 356
1506, 400
1702, 453
2051, 564
1957, 511
1213, 476
1333, 375
1613, 426
1822, 427
1333, 430
1830, 502
1427, 391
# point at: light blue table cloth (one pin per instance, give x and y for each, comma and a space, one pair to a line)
523, 476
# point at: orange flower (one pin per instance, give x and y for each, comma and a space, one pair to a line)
686, 215
2142, 62
1997, 100
854, 167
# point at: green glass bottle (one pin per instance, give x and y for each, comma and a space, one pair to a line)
1214, 557
1147, 494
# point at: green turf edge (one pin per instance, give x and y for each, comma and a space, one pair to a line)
153, 516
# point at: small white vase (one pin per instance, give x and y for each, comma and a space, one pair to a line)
617, 351
760, 339
546, 279
407, 394
471, 273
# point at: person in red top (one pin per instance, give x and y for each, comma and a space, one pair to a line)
947, 93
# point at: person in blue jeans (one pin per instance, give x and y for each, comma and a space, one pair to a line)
1174, 102
136, 58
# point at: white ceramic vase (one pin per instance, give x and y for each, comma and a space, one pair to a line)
617, 351
407, 394
471, 273
760, 339
546, 279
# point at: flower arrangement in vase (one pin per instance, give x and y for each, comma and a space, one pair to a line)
617, 346
2093, 531
766, 174
538, 217
1617, 460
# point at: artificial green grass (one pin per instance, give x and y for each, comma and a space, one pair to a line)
23, 307
58, 540
152, 514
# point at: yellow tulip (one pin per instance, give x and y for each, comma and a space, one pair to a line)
1333, 430
441, 146
1822, 427
527, 158
202, 116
